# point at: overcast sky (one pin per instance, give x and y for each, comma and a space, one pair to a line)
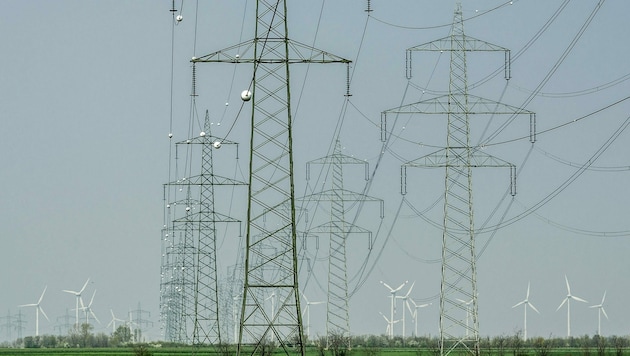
86, 107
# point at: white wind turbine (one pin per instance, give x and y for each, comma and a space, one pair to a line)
393, 291
567, 300
600, 310
390, 326
88, 310
78, 295
526, 303
273, 304
405, 301
467, 303
307, 310
38, 308
113, 321
414, 313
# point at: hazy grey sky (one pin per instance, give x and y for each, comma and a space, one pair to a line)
85, 113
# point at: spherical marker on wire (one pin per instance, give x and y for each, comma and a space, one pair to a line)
246, 95
216, 144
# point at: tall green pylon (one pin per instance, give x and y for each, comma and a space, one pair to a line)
271, 269
459, 322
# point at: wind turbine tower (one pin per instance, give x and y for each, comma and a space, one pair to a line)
459, 272
338, 229
271, 198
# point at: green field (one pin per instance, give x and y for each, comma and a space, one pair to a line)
311, 352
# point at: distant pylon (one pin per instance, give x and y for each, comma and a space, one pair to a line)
338, 229
271, 207
190, 303
459, 274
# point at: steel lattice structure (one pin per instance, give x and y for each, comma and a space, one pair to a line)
458, 292
271, 256
190, 303
338, 229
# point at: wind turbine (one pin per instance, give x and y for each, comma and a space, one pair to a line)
78, 295
568, 301
414, 313
88, 310
273, 304
405, 302
600, 310
113, 321
526, 303
38, 308
393, 291
307, 310
467, 303
390, 326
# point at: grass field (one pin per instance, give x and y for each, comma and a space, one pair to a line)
310, 352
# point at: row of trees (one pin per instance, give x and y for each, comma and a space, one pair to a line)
370, 345
80, 337
503, 345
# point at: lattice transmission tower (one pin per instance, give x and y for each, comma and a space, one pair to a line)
459, 324
338, 230
190, 299
271, 256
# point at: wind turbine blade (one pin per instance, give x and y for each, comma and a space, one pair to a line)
27, 305
533, 307
409, 306
410, 288
579, 299
85, 285
82, 305
517, 304
603, 311
527, 295
93, 315
604, 298
315, 303
42, 297
44, 313
91, 300
561, 304
400, 287
568, 287
304, 295
69, 291
387, 285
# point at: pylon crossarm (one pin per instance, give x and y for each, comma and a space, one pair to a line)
196, 217
243, 53
469, 44
439, 159
441, 105
202, 180
205, 139
349, 228
336, 194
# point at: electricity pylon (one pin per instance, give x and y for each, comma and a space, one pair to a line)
459, 274
271, 198
190, 294
337, 314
